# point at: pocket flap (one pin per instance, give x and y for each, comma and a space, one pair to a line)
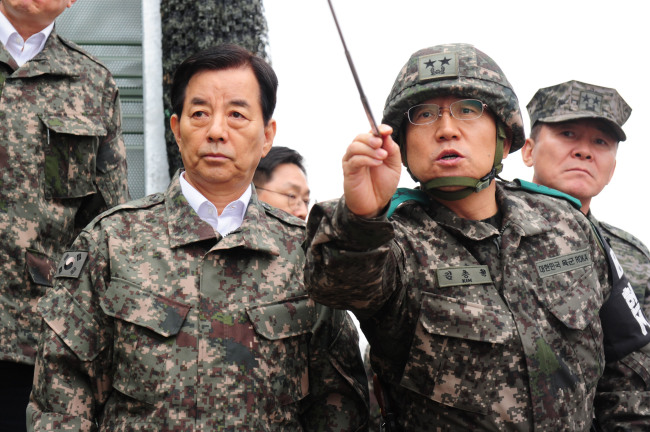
72, 323
452, 317
572, 299
284, 319
77, 125
128, 302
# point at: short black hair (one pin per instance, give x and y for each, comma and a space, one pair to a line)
276, 156
226, 56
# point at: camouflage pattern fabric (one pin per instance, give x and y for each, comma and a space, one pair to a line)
167, 326
623, 399
63, 161
459, 70
471, 327
573, 100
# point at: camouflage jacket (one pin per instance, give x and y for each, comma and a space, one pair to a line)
470, 327
623, 398
62, 162
167, 326
633, 256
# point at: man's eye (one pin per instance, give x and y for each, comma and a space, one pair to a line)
602, 142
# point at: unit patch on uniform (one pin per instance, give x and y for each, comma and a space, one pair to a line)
563, 263
434, 66
71, 264
468, 275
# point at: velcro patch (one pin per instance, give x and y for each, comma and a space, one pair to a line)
71, 264
434, 66
563, 263
468, 275
590, 101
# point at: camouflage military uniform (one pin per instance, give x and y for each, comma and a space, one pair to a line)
471, 327
623, 394
63, 161
170, 327
623, 398
633, 256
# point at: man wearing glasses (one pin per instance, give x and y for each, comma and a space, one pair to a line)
480, 299
281, 181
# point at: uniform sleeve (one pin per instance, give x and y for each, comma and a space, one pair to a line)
623, 394
71, 380
111, 177
111, 157
338, 388
622, 400
350, 260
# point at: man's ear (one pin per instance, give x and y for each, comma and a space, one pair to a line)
174, 124
269, 135
527, 152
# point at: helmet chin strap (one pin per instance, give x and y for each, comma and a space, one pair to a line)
470, 185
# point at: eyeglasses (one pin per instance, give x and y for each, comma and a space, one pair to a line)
293, 200
465, 109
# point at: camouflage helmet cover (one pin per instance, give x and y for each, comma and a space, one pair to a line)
574, 100
454, 69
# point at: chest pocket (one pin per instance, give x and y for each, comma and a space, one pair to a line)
145, 328
456, 348
571, 297
70, 154
284, 330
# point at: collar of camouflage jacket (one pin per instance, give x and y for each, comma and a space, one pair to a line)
54, 59
186, 227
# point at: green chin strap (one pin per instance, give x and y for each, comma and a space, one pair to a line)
470, 185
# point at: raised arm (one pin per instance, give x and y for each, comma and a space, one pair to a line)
371, 171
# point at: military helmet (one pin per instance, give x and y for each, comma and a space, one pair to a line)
454, 69
575, 100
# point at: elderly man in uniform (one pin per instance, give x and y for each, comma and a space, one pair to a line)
576, 129
281, 181
62, 162
186, 310
480, 299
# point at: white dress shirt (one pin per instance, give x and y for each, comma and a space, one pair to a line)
22, 50
229, 220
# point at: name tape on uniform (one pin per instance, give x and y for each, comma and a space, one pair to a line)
563, 263
468, 275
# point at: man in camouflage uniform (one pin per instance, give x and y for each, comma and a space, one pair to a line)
576, 129
480, 299
63, 161
186, 310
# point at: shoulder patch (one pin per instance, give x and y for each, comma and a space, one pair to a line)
71, 264
535, 188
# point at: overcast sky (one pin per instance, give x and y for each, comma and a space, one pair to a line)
537, 44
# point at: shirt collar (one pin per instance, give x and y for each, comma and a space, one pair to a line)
7, 31
199, 202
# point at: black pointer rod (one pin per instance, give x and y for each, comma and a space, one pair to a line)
364, 101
